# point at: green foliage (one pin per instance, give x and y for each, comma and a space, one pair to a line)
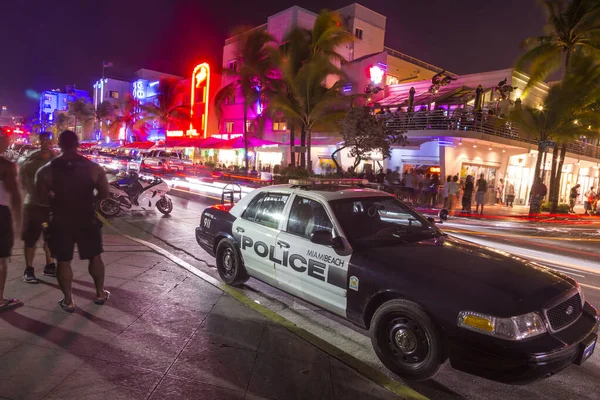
364, 134
562, 208
130, 117
572, 30
291, 173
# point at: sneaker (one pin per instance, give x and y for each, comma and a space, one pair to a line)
29, 275
50, 269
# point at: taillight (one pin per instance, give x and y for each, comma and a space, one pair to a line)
223, 207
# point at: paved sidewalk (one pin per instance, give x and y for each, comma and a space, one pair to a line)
164, 334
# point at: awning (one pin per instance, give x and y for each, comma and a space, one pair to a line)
238, 143
139, 145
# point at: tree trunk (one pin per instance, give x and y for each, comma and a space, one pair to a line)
245, 137
303, 145
292, 140
308, 159
338, 167
555, 193
553, 183
536, 175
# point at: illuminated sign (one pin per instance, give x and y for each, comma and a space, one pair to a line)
174, 133
376, 74
200, 98
435, 170
227, 136
139, 89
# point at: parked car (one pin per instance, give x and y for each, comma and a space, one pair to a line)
424, 296
165, 161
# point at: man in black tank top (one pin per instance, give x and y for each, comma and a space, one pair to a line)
10, 206
68, 183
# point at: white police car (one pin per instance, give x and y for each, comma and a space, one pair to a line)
425, 297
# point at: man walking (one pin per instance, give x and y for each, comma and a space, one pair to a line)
10, 217
480, 195
573, 195
35, 214
67, 183
590, 195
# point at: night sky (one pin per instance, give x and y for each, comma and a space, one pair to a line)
48, 44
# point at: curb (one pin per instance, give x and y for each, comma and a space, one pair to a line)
365, 370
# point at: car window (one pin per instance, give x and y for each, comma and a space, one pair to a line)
306, 217
266, 210
381, 221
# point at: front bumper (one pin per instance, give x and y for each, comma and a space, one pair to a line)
518, 363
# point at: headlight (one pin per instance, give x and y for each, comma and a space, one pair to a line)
513, 328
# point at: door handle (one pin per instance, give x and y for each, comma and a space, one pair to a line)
283, 244
238, 229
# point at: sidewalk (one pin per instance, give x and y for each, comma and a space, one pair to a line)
164, 334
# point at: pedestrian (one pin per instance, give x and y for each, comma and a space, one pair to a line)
499, 191
35, 213
10, 217
409, 185
446, 190
510, 194
573, 195
590, 195
433, 187
467, 197
538, 193
453, 191
67, 184
480, 195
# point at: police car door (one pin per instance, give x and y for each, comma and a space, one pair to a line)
256, 232
308, 270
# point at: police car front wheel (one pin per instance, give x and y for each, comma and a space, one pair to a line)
229, 263
406, 340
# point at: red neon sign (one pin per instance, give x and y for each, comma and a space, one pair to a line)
200, 92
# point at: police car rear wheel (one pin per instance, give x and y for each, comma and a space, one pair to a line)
229, 264
406, 340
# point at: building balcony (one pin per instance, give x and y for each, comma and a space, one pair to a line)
479, 126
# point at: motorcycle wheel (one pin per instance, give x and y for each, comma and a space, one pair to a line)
165, 205
109, 208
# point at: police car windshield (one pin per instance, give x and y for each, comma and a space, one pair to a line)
381, 221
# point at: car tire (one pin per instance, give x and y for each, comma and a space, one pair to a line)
229, 263
406, 340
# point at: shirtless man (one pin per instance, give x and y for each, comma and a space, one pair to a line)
67, 184
10, 217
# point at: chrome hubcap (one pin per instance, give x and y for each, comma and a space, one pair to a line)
228, 261
405, 340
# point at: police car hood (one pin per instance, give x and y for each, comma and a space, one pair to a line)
462, 271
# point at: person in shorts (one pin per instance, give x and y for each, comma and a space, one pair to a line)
67, 184
10, 216
35, 214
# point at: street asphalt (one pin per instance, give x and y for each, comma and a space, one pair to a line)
558, 248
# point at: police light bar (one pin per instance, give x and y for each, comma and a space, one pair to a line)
341, 182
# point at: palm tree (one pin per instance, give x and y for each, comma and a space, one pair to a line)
569, 110
102, 114
129, 117
573, 28
81, 112
61, 122
578, 97
312, 103
256, 61
326, 37
168, 109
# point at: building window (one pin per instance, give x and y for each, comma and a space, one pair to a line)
279, 124
114, 94
64, 99
232, 65
228, 126
391, 80
358, 33
47, 98
250, 127
231, 98
65, 108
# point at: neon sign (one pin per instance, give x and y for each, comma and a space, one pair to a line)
376, 74
139, 89
200, 94
174, 133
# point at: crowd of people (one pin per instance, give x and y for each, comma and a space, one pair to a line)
60, 195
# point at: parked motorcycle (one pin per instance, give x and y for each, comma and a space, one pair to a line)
134, 193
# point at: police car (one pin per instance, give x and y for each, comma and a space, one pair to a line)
424, 296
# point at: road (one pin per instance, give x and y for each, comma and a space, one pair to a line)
570, 249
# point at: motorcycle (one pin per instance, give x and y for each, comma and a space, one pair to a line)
134, 193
